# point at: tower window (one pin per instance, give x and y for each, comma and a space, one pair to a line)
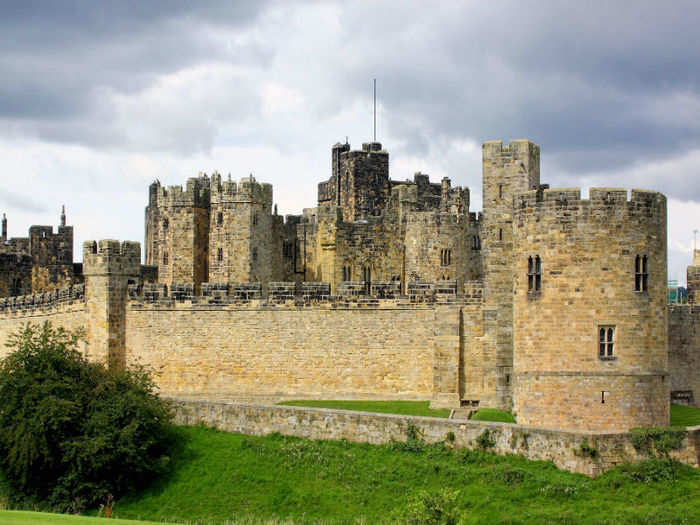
255, 218
367, 278
220, 254
165, 224
165, 258
476, 242
606, 342
500, 191
534, 274
641, 274
500, 234
219, 218
288, 250
445, 257
255, 255
347, 273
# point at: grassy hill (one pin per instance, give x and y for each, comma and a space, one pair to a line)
218, 477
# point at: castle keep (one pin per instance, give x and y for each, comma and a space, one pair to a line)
545, 303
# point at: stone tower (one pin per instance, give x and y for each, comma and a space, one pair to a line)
590, 315
359, 181
108, 267
242, 247
507, 170
177, 232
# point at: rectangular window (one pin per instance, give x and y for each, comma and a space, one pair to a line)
606, 342
288, 250
220, 254
534, 274
641, 273
219, 218
445, 257
347, 276
165, 258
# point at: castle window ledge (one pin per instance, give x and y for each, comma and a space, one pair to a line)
607, 358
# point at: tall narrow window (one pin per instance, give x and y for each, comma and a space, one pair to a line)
500, 191
220, 254
500, 234
367, 278
534, 274
641, 275
346, 274
445, 257
255, 255
219, 218
165, 258
255, 218
606, 342
165, 224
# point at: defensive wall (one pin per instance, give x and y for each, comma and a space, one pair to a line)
566, 449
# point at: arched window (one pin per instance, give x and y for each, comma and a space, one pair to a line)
534, 274
641, 274
445, 257
606, 342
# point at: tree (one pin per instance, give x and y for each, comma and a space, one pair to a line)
73, 433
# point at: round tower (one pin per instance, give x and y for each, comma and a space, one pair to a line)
589, 319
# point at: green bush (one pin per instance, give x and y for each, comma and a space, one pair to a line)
72, 433
432, 508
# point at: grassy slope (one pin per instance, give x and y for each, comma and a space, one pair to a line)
219, 476
682, 416
409, 408
492, 414
13, 517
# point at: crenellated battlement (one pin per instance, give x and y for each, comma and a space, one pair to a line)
195, 193
496, 152
111, 257
247, 190
601, 201
382, 294
31, 305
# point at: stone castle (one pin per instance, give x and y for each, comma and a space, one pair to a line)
545, 303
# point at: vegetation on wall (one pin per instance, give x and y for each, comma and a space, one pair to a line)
74, 434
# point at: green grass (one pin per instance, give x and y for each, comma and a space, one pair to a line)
407, 408
16, 517
218, 476
683, 416
492, 414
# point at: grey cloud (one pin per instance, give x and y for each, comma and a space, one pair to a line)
10, 200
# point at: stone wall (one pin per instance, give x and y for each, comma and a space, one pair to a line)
64, 308
324, 348
684, 353
561, 447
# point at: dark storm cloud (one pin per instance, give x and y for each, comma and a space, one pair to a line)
602, 87
579, 79
60, 61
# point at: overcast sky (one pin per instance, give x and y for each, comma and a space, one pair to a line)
98, 99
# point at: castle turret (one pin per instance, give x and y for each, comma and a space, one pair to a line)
507, 170
4, 228
590, 314
108, 267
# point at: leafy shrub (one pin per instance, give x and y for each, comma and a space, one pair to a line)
649, 470
414, 440
486, 440
586, 450
432, 508
73, 433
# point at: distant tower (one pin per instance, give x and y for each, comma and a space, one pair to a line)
4, 227
63, 215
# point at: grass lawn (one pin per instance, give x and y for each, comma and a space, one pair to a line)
408, 408
15, 517
492, 414
218, 476
683, 416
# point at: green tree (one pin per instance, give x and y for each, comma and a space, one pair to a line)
73, 433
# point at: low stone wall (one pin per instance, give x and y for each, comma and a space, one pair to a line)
561, 447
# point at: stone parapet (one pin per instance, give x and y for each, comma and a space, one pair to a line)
57, 300
562, 447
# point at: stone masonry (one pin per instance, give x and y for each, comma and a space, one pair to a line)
545, 303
